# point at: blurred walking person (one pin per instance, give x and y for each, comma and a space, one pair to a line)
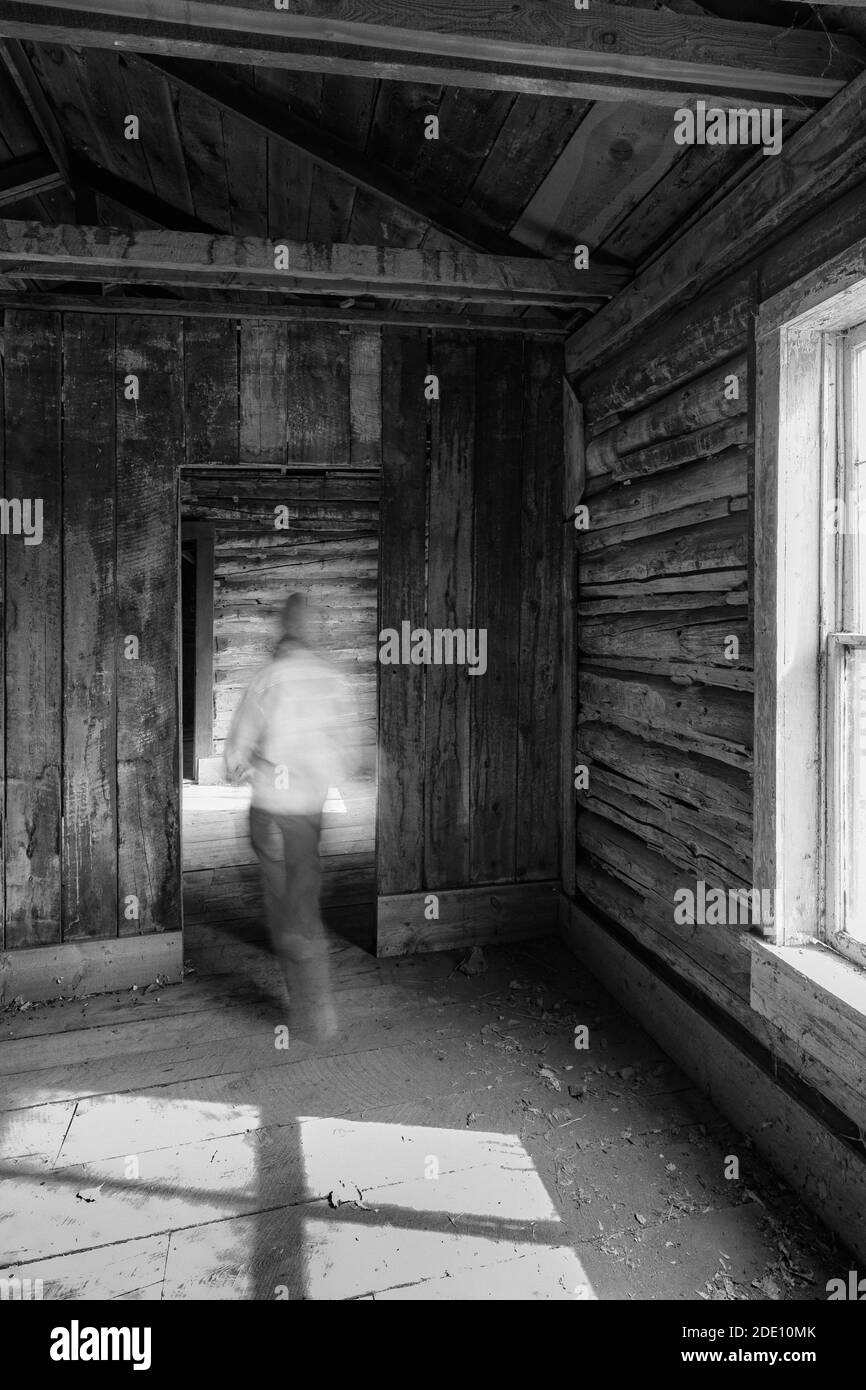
288, 737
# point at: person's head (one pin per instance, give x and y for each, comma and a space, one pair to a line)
294, 626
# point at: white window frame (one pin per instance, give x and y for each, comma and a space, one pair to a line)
796, 600
798, 969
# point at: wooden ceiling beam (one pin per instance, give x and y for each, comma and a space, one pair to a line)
70, 299
193, 259
273, 119
27, 177
605, 53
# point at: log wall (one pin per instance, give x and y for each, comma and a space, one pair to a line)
665, 721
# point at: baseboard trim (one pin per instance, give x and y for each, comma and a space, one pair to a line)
828, 1172
466, 917
75, 968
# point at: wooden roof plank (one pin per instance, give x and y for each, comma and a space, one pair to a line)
823, 157
605, 53
326, 148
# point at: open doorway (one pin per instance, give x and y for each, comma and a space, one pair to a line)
237, 569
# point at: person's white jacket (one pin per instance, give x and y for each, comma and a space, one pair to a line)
289, 730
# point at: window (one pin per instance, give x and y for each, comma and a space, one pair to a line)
810, 608
843, 922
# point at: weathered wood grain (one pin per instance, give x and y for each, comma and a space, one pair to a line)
449, 605
263, 387
210, 349
402, 780
704, 401
150, 444
33, 634
317, 390
542, 536
365, 398
89, 867
497, 541
467, 917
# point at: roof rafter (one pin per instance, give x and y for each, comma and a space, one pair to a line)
608, 53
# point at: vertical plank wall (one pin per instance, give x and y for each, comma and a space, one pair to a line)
665, 720
91, 789
458, 497
471, 537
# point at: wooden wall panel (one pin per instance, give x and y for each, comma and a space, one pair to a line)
263, 423
211, 378
450, 605
317, 391
150, 438
538, 753
33, 634
2, 650
89, 871
365, 398
402, 597
497, 548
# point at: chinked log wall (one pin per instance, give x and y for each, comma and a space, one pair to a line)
470, 536
665, 719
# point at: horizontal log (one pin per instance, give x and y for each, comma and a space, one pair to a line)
603, 55
683, 843
701, 336
678, 635
715, 545
726, 843
673, 453
673, 584
667, 501
679, 672
714, 795
622, 859
112, 255
648, 603
713, 723
703, 401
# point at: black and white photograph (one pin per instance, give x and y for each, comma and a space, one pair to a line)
433, 667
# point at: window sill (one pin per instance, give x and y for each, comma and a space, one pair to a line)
818, 999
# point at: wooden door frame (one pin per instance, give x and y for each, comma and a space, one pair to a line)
202, 533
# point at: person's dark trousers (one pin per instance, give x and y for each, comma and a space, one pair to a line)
287, 847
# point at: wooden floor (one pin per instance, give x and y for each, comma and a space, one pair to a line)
450, 1143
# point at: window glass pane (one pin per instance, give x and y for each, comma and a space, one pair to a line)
853, 786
